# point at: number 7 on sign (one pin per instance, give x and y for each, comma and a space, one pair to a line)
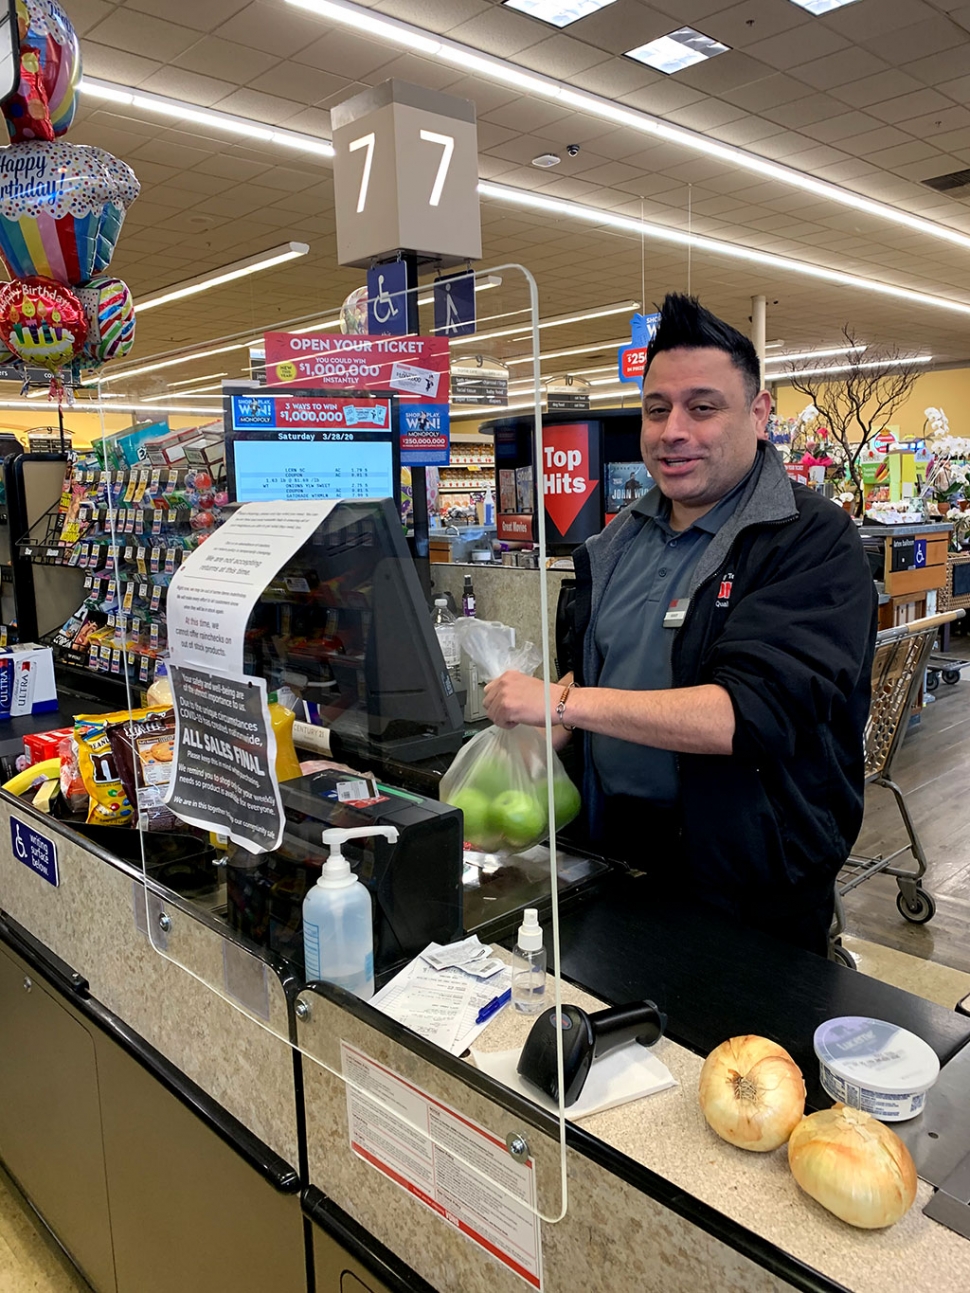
447, 144
365, 141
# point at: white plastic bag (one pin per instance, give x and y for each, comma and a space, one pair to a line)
498, 779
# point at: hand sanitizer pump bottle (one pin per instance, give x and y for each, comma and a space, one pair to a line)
338, 923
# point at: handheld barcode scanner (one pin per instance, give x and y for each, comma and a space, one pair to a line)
585, 1038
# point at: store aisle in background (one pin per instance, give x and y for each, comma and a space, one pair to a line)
933, 771
30, 1260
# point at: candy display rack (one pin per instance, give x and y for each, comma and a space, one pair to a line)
128, 531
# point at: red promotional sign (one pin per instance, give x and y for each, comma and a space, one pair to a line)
797, 472
633, 360
415, 368
567, 473
515, 527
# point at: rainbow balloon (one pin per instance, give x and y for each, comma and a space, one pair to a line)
110, 312
46, 28
61, 209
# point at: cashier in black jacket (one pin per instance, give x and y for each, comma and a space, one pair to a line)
723, 632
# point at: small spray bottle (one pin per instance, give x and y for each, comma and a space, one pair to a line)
529, 966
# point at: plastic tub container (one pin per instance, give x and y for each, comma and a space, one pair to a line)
875, 1066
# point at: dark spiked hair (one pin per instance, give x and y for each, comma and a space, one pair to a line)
685, 324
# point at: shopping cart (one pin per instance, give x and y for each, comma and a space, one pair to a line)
898, 667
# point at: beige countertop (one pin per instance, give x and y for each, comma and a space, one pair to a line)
667, 1133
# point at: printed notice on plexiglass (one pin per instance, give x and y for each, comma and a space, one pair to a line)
502, 1221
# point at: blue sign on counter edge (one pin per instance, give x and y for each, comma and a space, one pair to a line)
34, 850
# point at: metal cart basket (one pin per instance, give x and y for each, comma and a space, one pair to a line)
898, 666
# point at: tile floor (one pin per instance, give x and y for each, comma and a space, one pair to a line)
930, 960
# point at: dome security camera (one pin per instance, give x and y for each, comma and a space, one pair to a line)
572, 149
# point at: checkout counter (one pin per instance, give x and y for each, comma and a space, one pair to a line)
172, 1093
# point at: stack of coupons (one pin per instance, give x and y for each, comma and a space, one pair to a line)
444, 990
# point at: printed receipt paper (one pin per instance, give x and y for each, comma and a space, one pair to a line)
213, 592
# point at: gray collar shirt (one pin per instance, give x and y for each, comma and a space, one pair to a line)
634, 645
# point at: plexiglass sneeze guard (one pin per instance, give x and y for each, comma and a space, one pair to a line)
342, 622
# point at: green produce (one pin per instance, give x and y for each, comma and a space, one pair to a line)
518, 817
567, 801
491, 777
476, 808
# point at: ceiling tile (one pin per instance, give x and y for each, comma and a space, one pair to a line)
560, 56
484, 94
315, 121
115, 65
662, 96
802, 45
500, 31
616, 78
275, 29
179, 83
908, 106
875, 89
200, 17
807, 111
726, 72
946, 65
435, 15
138, 33
345, 54
937, 123
813, 158
754, 20
296, 81
918, 41
873, 140
745, 131
917, 150
839, 69
707, 114
86, 13
620, 26
410, 67
837, 128
958, 89
234, 62
953, 140
767, 93
528, 114
261, 107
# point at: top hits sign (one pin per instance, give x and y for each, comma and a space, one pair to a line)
570, 482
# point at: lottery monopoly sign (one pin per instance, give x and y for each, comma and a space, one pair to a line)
302, 412
415, 368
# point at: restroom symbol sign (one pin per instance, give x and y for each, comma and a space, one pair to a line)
454, 305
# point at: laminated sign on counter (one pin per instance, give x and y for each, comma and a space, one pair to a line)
224, 778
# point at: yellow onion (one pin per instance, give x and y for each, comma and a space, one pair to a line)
853, 1165
752, 1093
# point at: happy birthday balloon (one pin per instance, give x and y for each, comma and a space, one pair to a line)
41, 322
61, 209
110, 312
51, 52
353, 313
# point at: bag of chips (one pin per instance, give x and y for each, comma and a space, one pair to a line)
143, 746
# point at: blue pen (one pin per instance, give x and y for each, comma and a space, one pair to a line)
493, 1006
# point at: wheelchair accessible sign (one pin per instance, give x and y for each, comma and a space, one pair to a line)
34, 850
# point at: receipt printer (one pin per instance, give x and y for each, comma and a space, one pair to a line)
415, 884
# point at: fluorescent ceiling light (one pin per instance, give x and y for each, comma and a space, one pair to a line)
821, 6
845, 368
190, 381
682, 48
547, 323
182, 112
394, 32
663, 233
560, 13
166, 363
227, 274
196, 390
96, 406
815, 354
565, 354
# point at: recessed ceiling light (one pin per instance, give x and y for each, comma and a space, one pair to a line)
821, 6
678, 50
546, 160
560, 13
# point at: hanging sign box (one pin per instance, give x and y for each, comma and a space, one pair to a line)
405, 175
479, 379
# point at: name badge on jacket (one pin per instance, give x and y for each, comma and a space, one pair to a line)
676, 613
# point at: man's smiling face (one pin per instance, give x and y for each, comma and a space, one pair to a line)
700, 427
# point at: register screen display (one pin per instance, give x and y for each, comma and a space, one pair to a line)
321, 464
308, 444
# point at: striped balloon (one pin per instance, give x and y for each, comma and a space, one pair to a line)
110, 312
51, 33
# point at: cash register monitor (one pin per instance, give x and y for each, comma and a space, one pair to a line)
346, 624
310, 444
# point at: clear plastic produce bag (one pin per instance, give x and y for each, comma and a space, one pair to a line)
498, 779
